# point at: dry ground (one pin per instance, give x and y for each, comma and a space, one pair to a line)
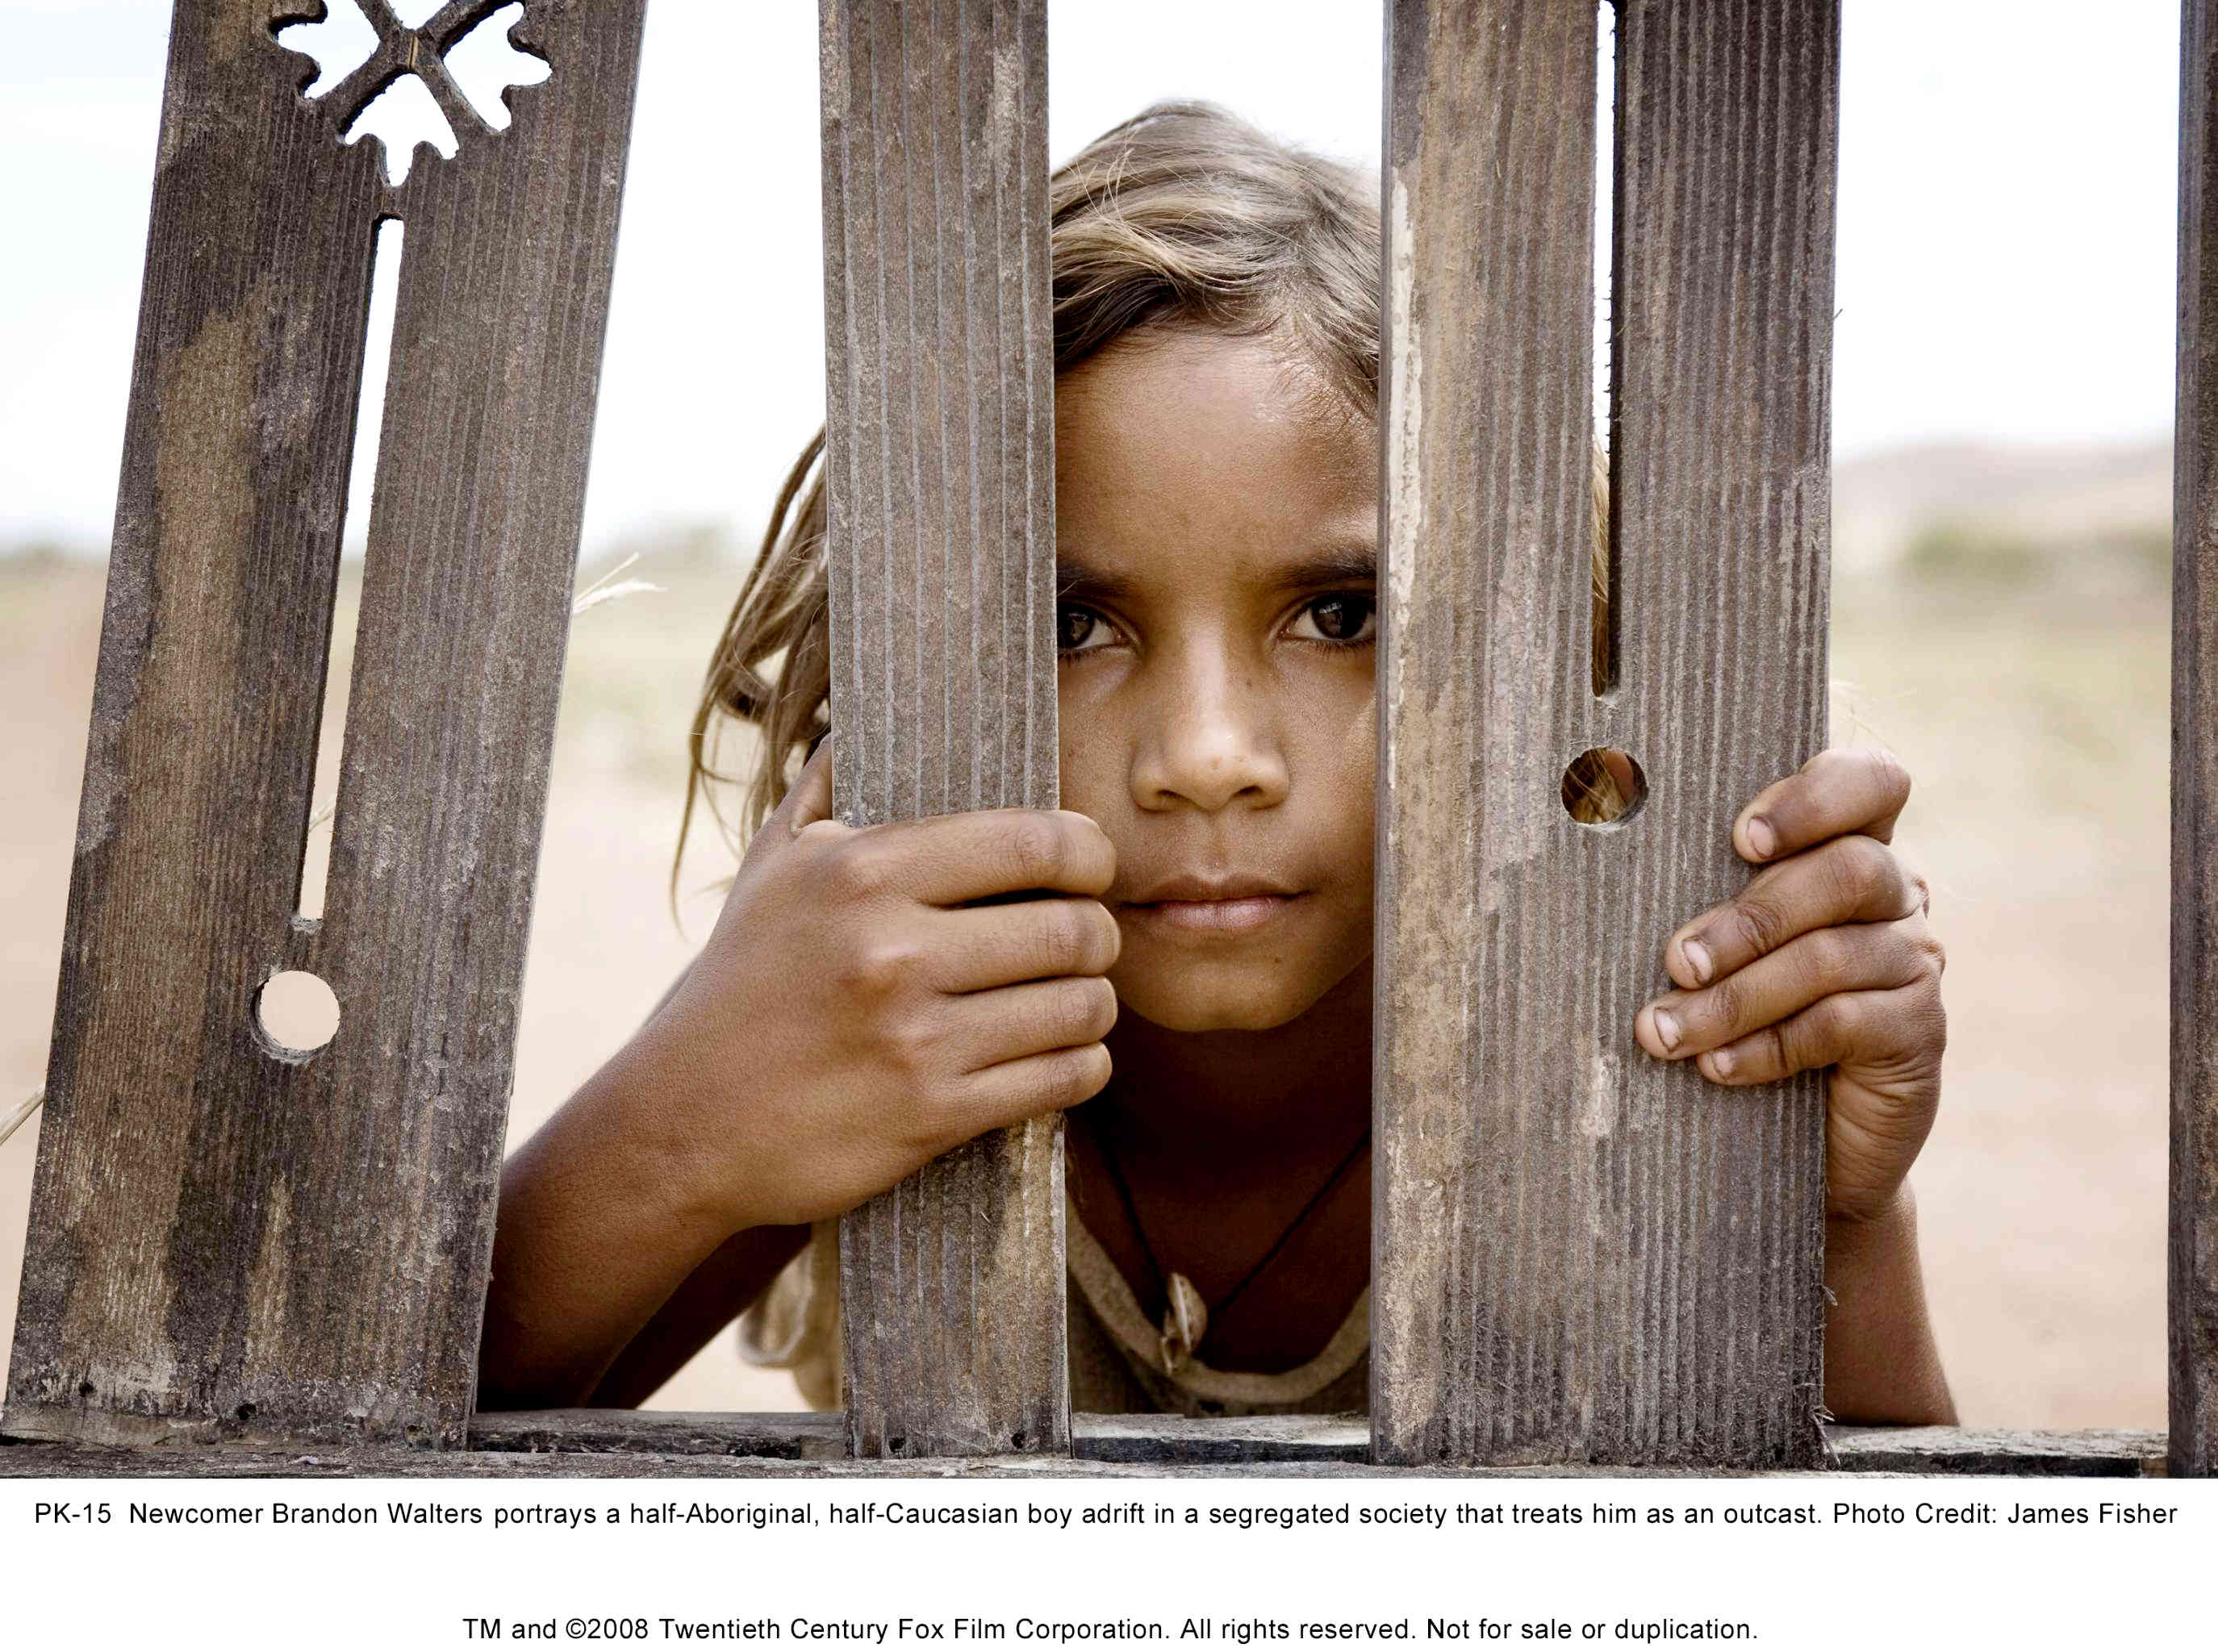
2037, 725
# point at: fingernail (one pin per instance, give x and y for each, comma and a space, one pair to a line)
1667, 1030
1722, 1063
1761, 839
1698, 960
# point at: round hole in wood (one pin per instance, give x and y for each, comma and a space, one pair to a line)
298, 1012
1603, 787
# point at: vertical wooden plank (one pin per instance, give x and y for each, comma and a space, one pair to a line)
227, 1236
2193, 1262
1582, 1254
939, 466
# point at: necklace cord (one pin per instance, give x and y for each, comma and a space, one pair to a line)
1139, 1231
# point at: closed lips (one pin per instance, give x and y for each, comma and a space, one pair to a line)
1219, 907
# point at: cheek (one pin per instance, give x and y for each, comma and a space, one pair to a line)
1089, 770
1346, 763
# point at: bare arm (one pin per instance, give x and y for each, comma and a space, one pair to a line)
1881, 1362
853, 1015
601, 1224
560, 1191
718, 1292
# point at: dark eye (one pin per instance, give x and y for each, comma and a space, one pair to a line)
1075, 627
1345, 616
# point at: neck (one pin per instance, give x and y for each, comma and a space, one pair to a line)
1245, 1097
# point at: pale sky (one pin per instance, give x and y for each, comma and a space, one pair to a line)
2008, 216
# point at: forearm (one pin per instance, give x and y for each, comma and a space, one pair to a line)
712, 1296
1881, 1362
602, 1219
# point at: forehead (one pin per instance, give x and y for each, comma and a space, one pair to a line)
1178, 441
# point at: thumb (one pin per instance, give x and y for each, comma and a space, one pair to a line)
810, 800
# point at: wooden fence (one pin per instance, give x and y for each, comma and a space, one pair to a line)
237, 1250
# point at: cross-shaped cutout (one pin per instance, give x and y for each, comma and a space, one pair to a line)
441, 78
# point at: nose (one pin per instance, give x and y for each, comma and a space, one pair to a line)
1211, 740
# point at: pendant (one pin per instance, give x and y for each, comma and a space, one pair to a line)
1186, 1321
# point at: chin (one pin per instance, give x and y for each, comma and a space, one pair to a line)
1214, 1001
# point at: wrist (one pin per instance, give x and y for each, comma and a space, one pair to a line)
655, 1150
1881, 1226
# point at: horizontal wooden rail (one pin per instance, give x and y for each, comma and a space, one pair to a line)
557, 1444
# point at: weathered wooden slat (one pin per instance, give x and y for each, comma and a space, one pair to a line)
940, 472
812, 1436
817, 1435
566, 1444
2193, 1257
228, 1237
2078, 1453
1583, 1253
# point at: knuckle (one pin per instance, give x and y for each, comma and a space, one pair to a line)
1778, 1059
1107, 939
1893, 773
1838, 1023
1721, 1007
911, 1045
862, 870
1761, 924
879, 968
1077, 1012
1101, 1008
1061, 937
1073, 1075
1861, 865
1828, 957
1031, 849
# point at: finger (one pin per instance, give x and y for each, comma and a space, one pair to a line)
1851, 880
1849, 958
810, 799
952, 858
1016, 1090
1834, 1030
1007, 1024
976, 948
1860, 789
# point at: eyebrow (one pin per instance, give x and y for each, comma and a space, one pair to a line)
1076, 580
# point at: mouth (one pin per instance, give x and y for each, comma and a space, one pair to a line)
1204, 907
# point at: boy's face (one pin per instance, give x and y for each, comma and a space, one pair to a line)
1216, 529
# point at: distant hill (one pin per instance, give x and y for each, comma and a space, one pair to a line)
2019, 503
2016, 513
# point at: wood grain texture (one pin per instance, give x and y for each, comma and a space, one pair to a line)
571, 1444
228, 1238
1581, 1254
2076, 1453
815, 1435
2193, 1252
940, 472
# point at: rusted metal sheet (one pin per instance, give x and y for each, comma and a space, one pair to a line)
1582, 1254
939, 470
228, 1237
2193, 1247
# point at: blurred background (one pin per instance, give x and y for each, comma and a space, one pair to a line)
2003, 403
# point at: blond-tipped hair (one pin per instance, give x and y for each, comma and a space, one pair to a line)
1183, 216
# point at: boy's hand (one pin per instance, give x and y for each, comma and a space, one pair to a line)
1824, 959
872, 998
